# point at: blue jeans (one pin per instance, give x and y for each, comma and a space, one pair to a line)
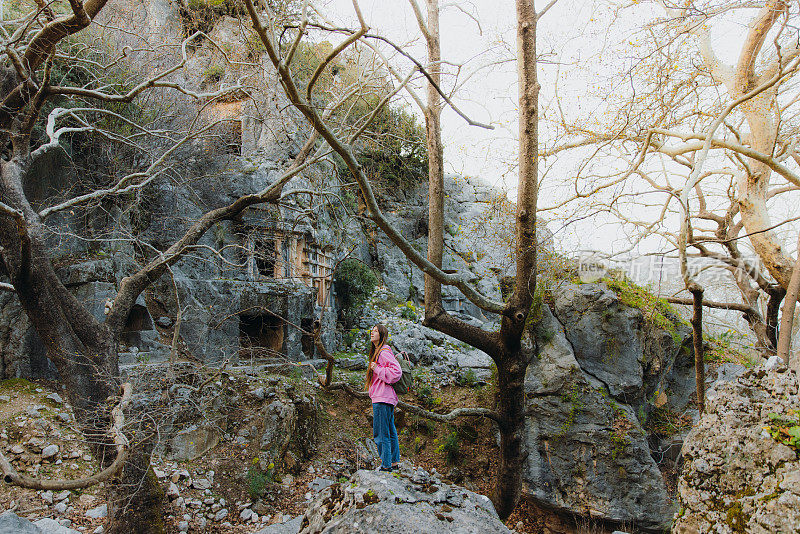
385, 433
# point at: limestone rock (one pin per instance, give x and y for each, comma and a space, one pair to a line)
10, 523
737, 478
193, 442
291, 526
51, 526
49, 452
380, 502
586, 450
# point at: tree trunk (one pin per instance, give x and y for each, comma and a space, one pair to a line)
787, 318
697, 342
433, 128
761, 115
513, 360
776, 295
511, 407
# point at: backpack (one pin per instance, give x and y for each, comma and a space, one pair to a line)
403, 386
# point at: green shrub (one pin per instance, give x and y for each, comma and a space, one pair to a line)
449, 446
468, 378
425, 396
409, 311
786, 429
258, 480
657, 311
354, 282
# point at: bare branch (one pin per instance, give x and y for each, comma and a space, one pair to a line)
745, 308
416, 410
10, 475
121, 186
546, 8
338, 50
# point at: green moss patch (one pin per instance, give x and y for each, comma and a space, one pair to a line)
657, 311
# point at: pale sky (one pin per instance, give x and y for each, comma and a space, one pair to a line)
578, 56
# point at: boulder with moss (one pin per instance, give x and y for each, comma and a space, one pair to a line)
603, 356
742, 460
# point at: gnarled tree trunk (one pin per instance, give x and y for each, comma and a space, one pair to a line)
85, 355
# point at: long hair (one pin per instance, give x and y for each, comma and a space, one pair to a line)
374, 350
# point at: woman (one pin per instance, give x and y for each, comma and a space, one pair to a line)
383, 370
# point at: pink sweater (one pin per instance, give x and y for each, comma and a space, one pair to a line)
387, 372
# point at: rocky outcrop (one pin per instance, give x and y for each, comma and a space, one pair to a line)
409, 501
588, 453
736, 477
271, 415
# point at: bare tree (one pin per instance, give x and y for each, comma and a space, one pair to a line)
689, 152
513, 346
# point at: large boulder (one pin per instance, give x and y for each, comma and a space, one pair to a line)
411, 501
587, 452
288, 426
737, 477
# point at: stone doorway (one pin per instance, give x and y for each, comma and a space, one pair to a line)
261, 336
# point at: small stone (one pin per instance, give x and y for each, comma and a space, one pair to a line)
86, 457
183, 526
17, 449
60, 507
55, 397
47, 496
49, 452
172, 491
87, 499
98, 513
159, 473
201, 484
220, 515
254, 518
99, 530
63, 417
202, 523
61, 496
246, 514
5, 398
774, 362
